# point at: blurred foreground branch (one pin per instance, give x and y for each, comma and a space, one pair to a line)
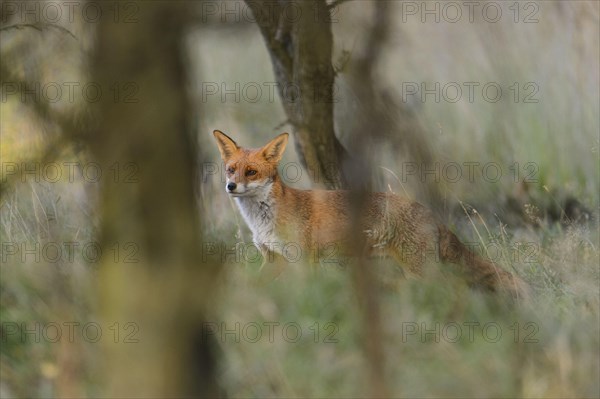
371, 115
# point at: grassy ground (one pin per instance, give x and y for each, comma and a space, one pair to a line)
300, 336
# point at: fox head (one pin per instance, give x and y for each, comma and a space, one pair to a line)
249, 171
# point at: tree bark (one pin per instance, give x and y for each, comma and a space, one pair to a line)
300, 42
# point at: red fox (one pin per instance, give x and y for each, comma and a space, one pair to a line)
323, 220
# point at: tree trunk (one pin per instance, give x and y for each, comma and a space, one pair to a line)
299, 40
154, 279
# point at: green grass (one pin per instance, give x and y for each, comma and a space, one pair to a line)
563, 315
559, 135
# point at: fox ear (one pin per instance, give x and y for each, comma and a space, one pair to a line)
227, 147
273, 150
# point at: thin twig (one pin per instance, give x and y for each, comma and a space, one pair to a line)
479, 236
336, 3
39, 27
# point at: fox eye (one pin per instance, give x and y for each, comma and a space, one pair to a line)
250, 172
230, 170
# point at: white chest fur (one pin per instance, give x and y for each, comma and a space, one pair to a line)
259, 213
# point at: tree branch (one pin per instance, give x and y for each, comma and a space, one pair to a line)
336, 3
40, 26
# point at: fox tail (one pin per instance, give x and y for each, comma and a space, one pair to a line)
480, 272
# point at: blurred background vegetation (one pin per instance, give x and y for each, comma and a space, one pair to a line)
169, 75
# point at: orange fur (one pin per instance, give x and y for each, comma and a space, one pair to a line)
322, 225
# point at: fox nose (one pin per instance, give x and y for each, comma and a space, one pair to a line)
231, 186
